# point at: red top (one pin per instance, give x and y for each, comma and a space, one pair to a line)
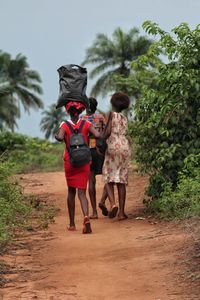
68, 133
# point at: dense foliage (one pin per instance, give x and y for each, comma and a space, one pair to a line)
184, 201
166, 127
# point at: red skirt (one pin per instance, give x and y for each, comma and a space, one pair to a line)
77, 177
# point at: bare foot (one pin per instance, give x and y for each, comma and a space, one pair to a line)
71, 228
122, 217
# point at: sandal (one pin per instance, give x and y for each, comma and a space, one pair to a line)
113, 212
103, 209
86, 226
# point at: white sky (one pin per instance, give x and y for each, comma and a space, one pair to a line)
51, 33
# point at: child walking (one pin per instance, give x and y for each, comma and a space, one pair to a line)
115, 167
76, 177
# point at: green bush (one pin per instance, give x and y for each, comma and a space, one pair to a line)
166, 128
184, 201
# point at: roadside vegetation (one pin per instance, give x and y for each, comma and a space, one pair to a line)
21, 87
22, 154
166, 123
19, 211
28, 154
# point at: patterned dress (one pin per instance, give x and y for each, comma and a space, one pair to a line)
115, 168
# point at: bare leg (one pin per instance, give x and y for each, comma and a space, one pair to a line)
84, 206
71, 205
122, 197
104, 195
84, 201
92, 193
110, 192
102, 205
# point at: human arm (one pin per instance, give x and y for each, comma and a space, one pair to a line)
60, 135
108, 127
94, 132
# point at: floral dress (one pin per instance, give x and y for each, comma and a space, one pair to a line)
115, 167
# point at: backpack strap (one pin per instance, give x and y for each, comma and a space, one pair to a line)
73, 129
69, 126
81, 126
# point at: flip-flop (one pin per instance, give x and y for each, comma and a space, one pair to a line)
71, 228
113, 212
103, 209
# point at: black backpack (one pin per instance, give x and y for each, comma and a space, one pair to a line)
79, 152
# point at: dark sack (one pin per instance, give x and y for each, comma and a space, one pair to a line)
79, 152
101, 143
73, 83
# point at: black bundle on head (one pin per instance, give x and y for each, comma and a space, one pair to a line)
120, 101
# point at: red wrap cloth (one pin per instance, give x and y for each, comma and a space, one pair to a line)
77, 105
76, 177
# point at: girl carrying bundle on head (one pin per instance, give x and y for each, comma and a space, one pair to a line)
76, 176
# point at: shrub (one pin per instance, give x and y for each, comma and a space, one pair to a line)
184, 201
166, 128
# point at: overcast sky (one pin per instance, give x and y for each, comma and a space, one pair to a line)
51, 33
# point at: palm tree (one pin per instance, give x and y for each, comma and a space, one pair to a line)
51, 120
9, 111
18, 85
114, 57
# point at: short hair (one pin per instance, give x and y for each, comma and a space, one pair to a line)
120, 101
93, 104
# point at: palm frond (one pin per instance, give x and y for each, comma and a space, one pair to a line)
103, 85
115, 55
51, 119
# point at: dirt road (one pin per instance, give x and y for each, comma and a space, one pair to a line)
135, 259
